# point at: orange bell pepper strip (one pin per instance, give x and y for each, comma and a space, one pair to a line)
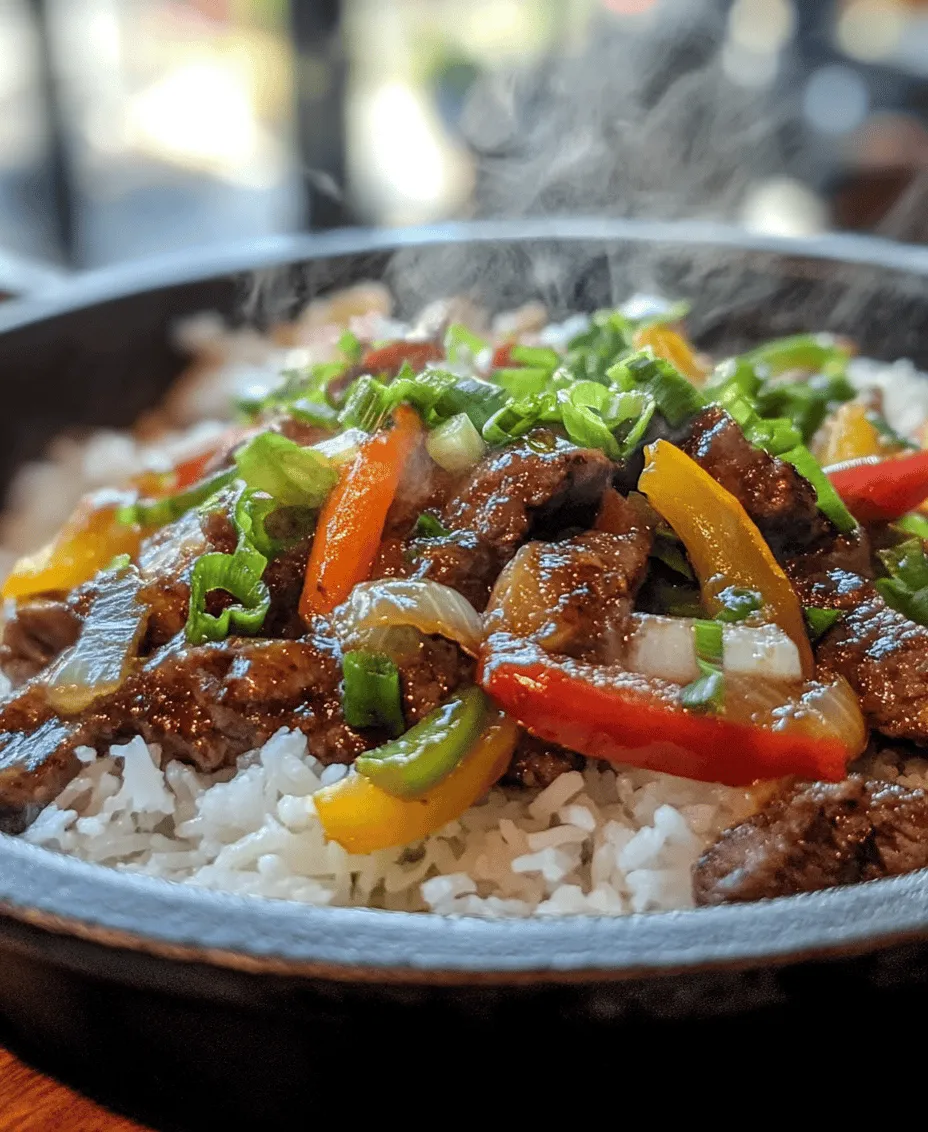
363, 818
352, 519
88, 542
723, 544
673, 347
624, 718
851, 435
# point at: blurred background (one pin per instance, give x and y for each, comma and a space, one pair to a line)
132, 127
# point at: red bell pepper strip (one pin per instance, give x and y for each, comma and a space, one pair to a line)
389, 360
881, 491
624, 718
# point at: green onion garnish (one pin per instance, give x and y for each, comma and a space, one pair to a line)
160, 512
707, 692
906, 586
676, 398
238, 574
292, 475
462, 345
828, 499
539, 357
913, 524
738, 604
372, 696
350, 346
427, 526
819, 621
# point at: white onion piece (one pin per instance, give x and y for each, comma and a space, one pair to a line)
665, 647
428, 606
818, 709
456, 445
343, 448
101, 659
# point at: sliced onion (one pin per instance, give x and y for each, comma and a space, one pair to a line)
821, 710
102, 657
427, 606
665, 647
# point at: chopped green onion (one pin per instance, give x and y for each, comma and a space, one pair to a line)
522, 382
306, 386
516, 418
372, 696
290, 474
462, 345
667, 548
676, 398
268, 526
479, 399
343, 447
708, 640
828, 499
427, 526
706, 693
414, 763
120, 562
607, 339
538, 357
738, 604
350, 346
812, 353
318, 413
456, 445
805, 403
160, 512
238, 574
906, 587
819, 621
913, 524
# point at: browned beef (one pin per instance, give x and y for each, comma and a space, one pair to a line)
779, 500
424, 487
817, 835
285, 576
461, 560
536, 764
536, 487
884, 657
37, 632
838, 575
574, 596
430, 675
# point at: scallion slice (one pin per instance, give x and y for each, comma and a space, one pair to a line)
160, 512
372, 696
290, 474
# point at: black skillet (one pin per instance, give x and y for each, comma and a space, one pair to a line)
198, 1009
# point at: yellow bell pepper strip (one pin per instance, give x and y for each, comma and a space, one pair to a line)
362, 818
723, 544
92, 537
851, 435
673, 347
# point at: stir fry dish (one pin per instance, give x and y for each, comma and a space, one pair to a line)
460, 564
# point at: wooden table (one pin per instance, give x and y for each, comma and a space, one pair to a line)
30, 1102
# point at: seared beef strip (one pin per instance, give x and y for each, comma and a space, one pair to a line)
817, 835
536, 764
774, 494
884, 657
37, 632
536, 487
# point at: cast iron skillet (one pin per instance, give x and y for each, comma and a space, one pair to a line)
132, 986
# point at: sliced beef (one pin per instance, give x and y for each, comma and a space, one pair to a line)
779, 500
37, 632
884, 657
536, 764
430, 675
424, 487
817, 835
573, 597
285, 576
838, 575
461, 560
538, 487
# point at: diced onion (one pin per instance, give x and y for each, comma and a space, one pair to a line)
427, 606
665, 647
456, 445
343, 448
101, 659
818, 709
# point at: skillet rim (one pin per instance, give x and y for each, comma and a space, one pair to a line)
175, 921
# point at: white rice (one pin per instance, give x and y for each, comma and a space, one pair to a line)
606, 841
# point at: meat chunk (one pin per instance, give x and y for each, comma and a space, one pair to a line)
536, 487
536, 764
817, 835
36, 633
573, 597
779, 500
838, 575
461, 560
884, 657
430, 675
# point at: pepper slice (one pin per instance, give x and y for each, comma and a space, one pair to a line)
723, 544
390, 359
352, 519
362, 818
427, 753
674, 348
881, 491
624, 718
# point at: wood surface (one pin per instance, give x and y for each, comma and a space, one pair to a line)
30, 1102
